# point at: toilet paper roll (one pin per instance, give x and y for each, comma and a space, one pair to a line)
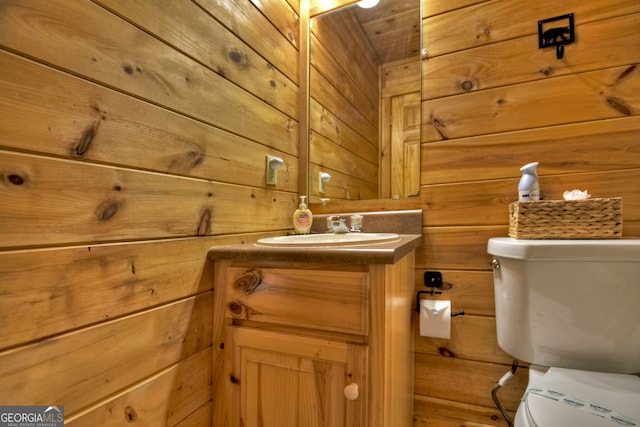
435, 318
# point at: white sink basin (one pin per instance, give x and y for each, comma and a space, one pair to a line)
328, 239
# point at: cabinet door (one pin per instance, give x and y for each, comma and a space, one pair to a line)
282, 380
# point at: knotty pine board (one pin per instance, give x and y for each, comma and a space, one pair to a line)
601, 44
82, 367
595, 95
85, 39
81, 120
496, 21
165, 398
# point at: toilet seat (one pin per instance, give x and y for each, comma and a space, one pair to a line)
566, 397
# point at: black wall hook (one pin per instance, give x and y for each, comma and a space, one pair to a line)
558, 31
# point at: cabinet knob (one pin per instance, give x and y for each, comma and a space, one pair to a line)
351, 391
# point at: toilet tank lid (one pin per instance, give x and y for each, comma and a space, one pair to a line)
549, 250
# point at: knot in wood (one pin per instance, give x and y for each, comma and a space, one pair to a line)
619, 105
108, 210
467, 85
237, 308
240, 58
204, 224
445, 352
130, 414
248, 281
547, 71
14, 179
84, 143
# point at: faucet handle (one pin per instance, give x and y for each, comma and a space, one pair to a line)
356, 222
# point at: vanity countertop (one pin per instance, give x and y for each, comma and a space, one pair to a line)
372, 253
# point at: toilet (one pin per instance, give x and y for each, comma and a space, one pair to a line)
571, 308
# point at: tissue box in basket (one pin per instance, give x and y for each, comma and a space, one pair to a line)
566, 219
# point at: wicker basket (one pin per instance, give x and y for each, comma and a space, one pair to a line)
566, 219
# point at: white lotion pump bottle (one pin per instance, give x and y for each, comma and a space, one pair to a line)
529, 188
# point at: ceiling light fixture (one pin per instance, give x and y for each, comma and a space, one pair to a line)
367, 4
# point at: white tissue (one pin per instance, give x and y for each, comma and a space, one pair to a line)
576, 195
435, 318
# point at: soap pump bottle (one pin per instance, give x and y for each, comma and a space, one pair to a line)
302, 217
529, 188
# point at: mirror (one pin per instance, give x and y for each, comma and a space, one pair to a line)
364, 103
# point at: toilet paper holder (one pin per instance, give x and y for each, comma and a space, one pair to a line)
433, 280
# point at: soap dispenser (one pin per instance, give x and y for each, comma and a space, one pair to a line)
302, 217
529, 188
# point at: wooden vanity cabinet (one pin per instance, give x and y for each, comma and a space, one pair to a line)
313, 344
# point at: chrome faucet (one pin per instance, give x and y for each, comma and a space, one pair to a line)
337, 225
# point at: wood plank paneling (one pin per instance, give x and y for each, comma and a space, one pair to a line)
488, 203
518, 60
94, 43
201, 417
164, 399
342, 37
327, 155
98, 203
451, 248
575, 147
79, 286
466, 381
183, 25
399, 78
355, 88
336, 101
602, 94
500, 20
329, 126
437, 7
492, 102
78, 119
342, 186
133, 137
472, 338
81, 367
445, 413
344, 108
278, 43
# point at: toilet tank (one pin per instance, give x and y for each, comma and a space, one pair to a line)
569, 303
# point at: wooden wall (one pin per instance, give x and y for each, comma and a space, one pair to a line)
133, 137
492, 101
344, 108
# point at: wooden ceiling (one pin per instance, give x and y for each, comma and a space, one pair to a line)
393, 27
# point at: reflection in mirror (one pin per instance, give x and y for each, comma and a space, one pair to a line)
365, 101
